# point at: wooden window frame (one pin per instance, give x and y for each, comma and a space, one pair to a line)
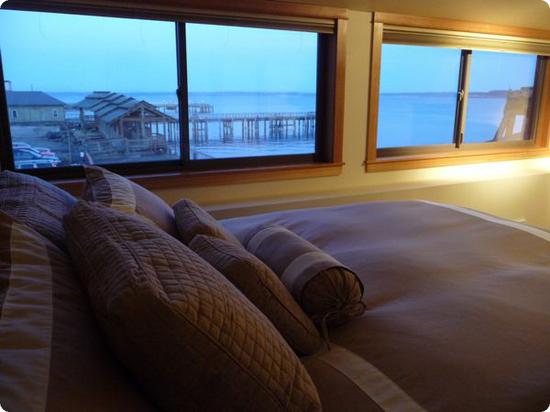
385, 159
327, 160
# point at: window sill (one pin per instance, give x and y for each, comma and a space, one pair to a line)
219, 177
417, 161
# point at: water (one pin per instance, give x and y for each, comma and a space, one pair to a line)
429, 118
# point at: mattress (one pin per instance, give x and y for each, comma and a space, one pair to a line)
458, 308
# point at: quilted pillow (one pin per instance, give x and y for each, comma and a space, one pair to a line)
52, 356
182, 329
119, 193
193, 220
328, 291
264, 289
35, 203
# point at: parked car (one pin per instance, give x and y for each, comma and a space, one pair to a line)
25, 158
44, 151
21, 145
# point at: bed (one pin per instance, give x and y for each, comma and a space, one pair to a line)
458, 308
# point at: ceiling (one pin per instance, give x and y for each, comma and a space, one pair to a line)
527, 13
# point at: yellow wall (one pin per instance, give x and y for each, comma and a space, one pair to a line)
516, 190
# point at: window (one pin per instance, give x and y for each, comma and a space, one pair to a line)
252, 92
14, 114
115, 83
501, 97
453, 95
162, 95
418, 87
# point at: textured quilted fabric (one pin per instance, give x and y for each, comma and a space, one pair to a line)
122, 194
264, 289
184, 331
35, 203
193, 220
52, 355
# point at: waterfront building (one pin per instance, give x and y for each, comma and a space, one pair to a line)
30, 107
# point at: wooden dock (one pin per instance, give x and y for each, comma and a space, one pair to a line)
251, 127
205, 124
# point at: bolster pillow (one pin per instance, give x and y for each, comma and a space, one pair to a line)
327, 291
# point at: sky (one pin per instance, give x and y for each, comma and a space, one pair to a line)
68, 53
413, 69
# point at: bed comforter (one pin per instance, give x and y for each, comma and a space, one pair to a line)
458, 308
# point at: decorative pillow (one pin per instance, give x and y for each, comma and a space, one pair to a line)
326, 290
264, 289
119, 193
35, 203
183, 330
52, 356
193, 220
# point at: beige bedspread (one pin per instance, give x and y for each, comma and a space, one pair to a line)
458, 308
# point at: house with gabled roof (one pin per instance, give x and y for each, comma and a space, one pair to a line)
30, 107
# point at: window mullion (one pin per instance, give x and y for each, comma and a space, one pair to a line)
6, 153
183, 99
534, 106
462, 97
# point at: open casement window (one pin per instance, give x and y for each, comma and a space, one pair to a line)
194, 93
449, 92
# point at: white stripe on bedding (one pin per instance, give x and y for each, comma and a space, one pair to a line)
370, 380
529, 229
26, 325
299, 265
258, 238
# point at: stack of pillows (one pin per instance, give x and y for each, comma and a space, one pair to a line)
199, 321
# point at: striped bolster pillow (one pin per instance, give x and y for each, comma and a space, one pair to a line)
325, 289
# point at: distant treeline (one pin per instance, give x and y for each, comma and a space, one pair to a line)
489, 94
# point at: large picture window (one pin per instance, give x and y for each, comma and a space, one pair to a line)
446, 96
152, 95
88, 95
252, 92
419, 87
501, 97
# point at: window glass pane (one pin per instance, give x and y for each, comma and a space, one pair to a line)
501, 88
89, 89
418, 90
252, 92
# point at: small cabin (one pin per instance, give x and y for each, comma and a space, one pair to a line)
119, 116
34, 107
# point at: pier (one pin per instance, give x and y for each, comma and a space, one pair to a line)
251, 127
109, 126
